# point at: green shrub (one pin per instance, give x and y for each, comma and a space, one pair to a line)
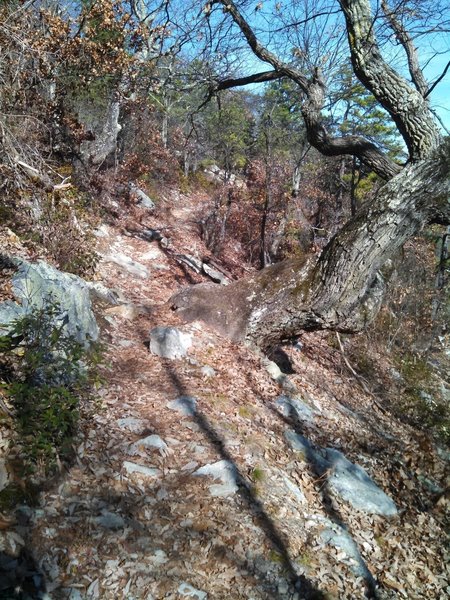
46, 373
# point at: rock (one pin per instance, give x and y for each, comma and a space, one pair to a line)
190, 261
169, 342
110, 520
35, 283
299, 443
353, 484
152, 235
144, 201
105, 127
348, 480
273, 369
131, 467
215, 275
293, 407
207, 371
338, 538
159, 557
127, 264
223, 470
151, 441
132, 424
185, 405
4, 477
185, 589
294, 489
153, 254
102, 231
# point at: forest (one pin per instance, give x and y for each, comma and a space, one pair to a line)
269, 183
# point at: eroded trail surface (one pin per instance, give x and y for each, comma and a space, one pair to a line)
206, 477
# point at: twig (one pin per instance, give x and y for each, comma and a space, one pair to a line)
358, 377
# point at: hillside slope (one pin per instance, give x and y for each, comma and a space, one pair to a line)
202, 477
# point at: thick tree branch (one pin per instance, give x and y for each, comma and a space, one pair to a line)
319, 137
226, 84
405, 40
407, 107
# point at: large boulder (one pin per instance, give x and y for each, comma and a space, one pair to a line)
35, 284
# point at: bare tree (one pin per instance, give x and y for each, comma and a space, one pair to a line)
343, 289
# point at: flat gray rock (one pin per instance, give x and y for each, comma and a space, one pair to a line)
215, 275
294, 407
169, 342
132, 424
131, 467
338, 538
151, 441
349, 481
223, 470
144, 201
129, 265
354, 485
294, 489
185, 405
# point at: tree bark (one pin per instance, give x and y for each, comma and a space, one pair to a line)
343, 290
406, 105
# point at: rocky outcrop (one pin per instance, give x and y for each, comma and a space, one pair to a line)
35, 284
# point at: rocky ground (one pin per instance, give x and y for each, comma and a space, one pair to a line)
216, 474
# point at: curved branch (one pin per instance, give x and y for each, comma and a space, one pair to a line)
260, 51
319, 137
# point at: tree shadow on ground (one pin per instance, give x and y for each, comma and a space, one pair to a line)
295, 424
20, 577
252, 503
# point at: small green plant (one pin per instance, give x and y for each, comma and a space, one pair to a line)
258, 475
45, 373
